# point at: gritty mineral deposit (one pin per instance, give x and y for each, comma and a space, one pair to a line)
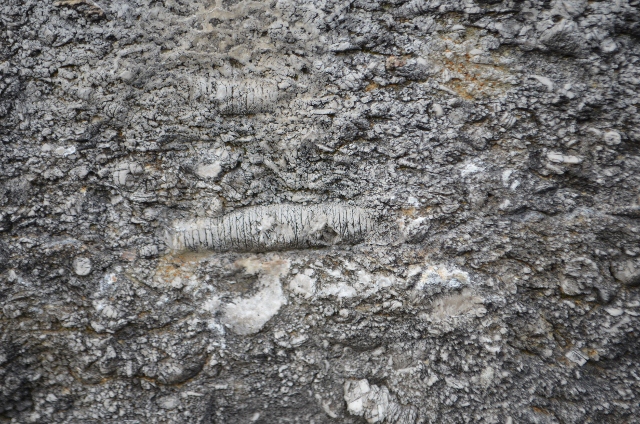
320, 211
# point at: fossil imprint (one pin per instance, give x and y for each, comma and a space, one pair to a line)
274, 227
246, 96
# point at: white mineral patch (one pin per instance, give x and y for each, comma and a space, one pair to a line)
608, 45
368, 284
486, 377
577, 356
168, 402
303, 284
247, 315
413, 201
614, 312
506, 174
82, 266
339, 290
355, 395
211, 305
65, 150
470, 168
544, 81
612, 138
209, 170
437, 110
566, 159
375, 404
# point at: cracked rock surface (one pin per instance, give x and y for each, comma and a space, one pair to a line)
319, 211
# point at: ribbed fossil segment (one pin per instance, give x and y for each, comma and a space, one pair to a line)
275, 227
246, 96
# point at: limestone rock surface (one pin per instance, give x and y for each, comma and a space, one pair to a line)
319, 211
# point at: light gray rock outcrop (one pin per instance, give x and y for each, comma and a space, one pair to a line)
319, 211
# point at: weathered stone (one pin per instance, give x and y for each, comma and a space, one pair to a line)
407, 211
627, 271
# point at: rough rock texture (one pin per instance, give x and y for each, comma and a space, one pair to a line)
425, 211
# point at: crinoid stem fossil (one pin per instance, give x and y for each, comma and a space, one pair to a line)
274, 227
246, 96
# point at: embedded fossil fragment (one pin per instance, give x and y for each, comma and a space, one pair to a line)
274, 227
248, 96
376, 404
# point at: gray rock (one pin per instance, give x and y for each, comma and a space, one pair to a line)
168, 402
411, 211
627, 272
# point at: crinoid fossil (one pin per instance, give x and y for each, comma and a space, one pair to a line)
246, 96
274, 227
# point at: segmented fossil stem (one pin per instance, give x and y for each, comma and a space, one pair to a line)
275, 227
